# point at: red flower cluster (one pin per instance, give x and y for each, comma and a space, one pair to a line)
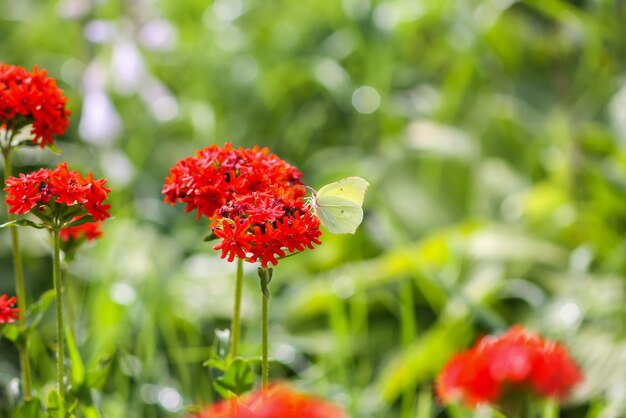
281, 402
89, 231
8, 314
44, 188
32, 98
215, 176
254, 199
515, 361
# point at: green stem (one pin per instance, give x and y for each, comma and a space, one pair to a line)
58, 287
424, 403
70, 302
550, 409
236, 326
408, 336
265, 367
265, 276
20, 288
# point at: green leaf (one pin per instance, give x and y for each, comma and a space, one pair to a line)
96, 377
45, 215
32, 408
237, 379
55, 407
38, 309
265, 274
23, 222
72, 408
11, 332
216, 363
210, 237
84, 220
69, 213
90, 411
218, 359
56, 150
77, 374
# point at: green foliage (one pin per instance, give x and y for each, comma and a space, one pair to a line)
29, 409
495, 152
23, 222
237, 379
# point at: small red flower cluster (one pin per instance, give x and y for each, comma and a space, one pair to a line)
8, 314
254, 199
89, 231
45, 187
32, 98
514, 361
280, 402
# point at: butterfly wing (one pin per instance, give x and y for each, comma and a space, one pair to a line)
350, 188
338, 215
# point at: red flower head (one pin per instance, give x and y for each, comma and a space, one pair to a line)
280, 402
497, 367
265, 226
32, 98
254, 199
8, 314
59, 193
215, 176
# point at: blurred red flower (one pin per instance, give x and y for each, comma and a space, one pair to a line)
41, 189
496, 367
254, 199
8, 314
280, 402
32, 98
89, 231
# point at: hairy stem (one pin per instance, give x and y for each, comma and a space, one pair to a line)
265, 274
58, 287
20, 288
265, 367
236, 325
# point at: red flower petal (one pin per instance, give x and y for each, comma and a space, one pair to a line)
8, 313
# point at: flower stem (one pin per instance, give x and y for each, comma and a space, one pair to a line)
20, 289
550, 409
236, 326
408, 336
58, 287
265, 274
265, 369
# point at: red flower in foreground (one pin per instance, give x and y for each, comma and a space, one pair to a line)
254, 199
280, 402
41, 191
32, 98
8, 314
497, 367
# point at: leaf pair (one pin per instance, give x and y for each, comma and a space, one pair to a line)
27, 222
233, 376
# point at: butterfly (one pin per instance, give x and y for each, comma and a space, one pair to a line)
338, 205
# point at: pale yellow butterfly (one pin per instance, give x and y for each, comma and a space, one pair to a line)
338, 205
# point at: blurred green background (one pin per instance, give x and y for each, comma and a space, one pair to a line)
493, 133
